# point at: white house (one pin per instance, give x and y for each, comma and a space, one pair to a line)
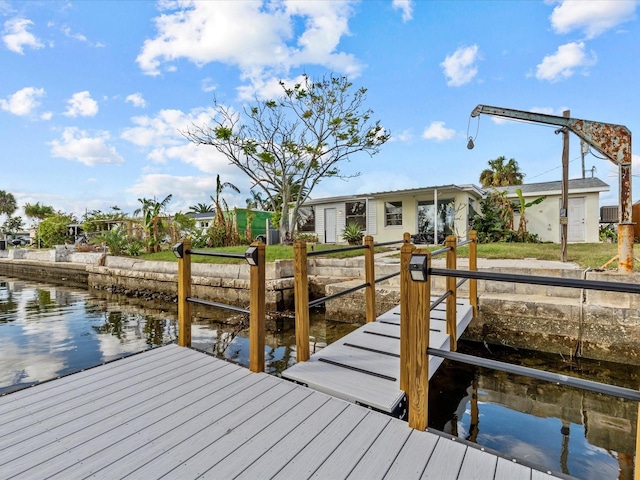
583, 212
433, 212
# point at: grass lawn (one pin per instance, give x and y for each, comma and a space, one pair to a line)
273, 252
584, 254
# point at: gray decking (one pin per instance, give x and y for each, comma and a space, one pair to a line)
363, 367
177, 413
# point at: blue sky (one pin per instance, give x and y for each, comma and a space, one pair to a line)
94, 94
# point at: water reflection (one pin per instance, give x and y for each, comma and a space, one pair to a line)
51, 330
579, 433
47, 331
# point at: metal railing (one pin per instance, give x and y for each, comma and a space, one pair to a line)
301, 287
414, 359
255, 257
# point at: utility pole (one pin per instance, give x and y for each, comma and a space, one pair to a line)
584, 148
564, 218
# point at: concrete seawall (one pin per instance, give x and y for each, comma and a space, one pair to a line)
566, 321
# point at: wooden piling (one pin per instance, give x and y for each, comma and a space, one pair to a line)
184, 292
257, 310
370, 278
405, 278
452, 326
301, 293
418, 319
473, 266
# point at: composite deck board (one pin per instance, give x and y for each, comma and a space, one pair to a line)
77, 406
221, 422
371, 350
478, 465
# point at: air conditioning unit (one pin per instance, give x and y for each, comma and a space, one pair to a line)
609, 214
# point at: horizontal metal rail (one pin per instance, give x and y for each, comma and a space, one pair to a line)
216, 304
441, 299
216, 254
440, 250
336, 250
387, 277
557, 378
539, 280
384, 244
464, 242
322, 300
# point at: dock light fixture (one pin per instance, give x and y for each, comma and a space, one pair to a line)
418, 267
251, 256
178, 250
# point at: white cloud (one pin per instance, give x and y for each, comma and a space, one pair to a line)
46, 116
23, 102
594, 17
161, 136
81, 104
437, 131
261, 41
78, 36
77, 145
404, 136
564, 62
460, 67
16, 36
187, 190
208, 85
136, 99
406, 7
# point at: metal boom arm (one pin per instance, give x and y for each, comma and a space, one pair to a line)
612, 141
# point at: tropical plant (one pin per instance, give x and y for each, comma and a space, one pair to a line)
219, 202
500, 174
153, 220
353, 234
12, 225
202, 208
97, 220
298, 138
8, 205
53, 230
494, 219
39, 212
522, 206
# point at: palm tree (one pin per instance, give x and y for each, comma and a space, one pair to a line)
201, 208
501, 174
152, 211
8, 204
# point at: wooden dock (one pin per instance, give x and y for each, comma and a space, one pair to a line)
174, 412
363, 367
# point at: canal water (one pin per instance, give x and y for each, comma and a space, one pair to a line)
47, 331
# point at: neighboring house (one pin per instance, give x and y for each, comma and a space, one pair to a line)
544, 219
431, 212
203, 220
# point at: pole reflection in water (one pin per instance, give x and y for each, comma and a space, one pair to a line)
579, 433
48, 330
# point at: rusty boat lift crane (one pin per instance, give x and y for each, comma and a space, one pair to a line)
612, 141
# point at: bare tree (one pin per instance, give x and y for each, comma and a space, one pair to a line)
298, 139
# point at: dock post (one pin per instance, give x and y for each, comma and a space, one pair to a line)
419, 315
405, 256
370, 278
184, 292
301, 293
257, 310
636, 468
452, 326
473, 266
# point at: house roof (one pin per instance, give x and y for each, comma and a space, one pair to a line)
411, 191
202, 216
575, 185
